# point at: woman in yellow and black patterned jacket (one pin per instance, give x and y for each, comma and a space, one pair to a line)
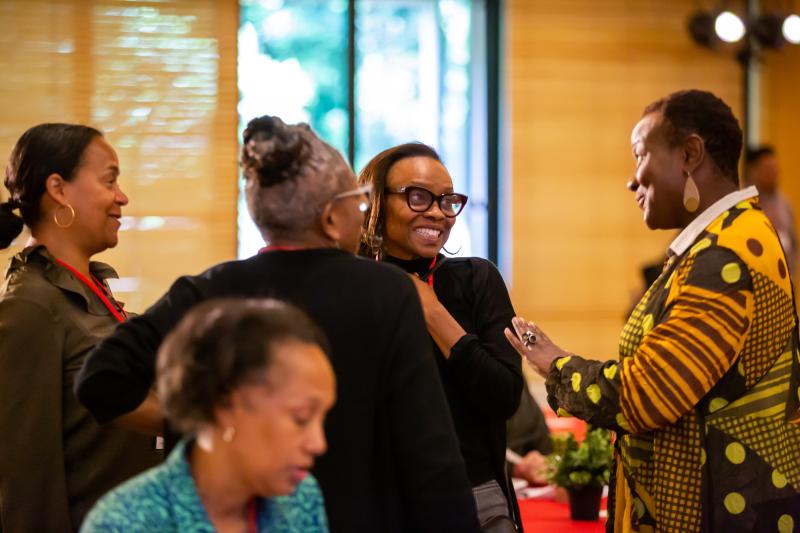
704, 397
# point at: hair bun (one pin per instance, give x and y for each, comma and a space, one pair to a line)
274, 151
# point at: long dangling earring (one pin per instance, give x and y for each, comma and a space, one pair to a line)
691, 196
71, 219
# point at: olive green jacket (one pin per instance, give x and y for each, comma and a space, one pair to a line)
55, 460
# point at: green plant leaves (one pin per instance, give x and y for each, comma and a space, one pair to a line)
588, 464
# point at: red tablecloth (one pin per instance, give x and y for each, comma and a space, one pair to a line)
545, 516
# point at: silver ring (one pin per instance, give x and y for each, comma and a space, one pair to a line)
528, 338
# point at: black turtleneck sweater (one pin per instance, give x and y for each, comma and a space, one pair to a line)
482, 378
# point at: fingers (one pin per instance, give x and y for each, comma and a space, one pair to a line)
520, 324
515, 342
525, 351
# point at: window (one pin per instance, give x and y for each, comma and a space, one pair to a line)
418, 74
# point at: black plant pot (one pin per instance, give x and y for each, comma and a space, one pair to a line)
584, 503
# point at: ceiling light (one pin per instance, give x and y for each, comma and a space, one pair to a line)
791, 29
729, 27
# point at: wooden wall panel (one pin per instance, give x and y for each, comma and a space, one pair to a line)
579, 74
159, 79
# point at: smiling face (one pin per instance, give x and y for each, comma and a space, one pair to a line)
279, 426
659, 179
409, 234
95, 195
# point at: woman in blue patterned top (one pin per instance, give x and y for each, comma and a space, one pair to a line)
250, 381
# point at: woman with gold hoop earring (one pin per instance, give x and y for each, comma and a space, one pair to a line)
55, 305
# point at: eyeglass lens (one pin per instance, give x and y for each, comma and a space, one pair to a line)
421, 200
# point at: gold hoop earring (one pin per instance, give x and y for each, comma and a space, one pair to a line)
72, 216
228, 434
691, 196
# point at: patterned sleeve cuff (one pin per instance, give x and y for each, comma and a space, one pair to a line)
586, 389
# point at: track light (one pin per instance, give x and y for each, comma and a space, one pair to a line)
701, 29
791, 29
712, 29
767, 31
729, 27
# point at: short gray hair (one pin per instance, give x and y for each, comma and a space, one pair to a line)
290, 175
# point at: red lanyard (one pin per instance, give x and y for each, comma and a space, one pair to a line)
274, 248
252, 511
100, 290
430, 269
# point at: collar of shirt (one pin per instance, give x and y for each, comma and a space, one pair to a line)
696, 227
62, 278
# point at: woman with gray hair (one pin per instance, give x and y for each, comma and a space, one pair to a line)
393, 462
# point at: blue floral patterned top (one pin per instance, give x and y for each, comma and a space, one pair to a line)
165, 499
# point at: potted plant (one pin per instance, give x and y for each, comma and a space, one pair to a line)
583, 470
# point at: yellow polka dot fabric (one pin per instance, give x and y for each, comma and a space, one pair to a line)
576, 381
734, 503
704, 389
563, 361
594, 393
731, 273
735, 453
778, 479
785, 524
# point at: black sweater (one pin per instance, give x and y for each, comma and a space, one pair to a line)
483, 377
392, 462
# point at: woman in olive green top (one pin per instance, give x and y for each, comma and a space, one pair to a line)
55, 305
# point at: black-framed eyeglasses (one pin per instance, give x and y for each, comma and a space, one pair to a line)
420, 200
364, 190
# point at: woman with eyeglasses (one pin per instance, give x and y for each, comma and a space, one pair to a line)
465, 304
392, 462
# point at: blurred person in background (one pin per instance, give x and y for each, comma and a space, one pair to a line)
528, 439
392, 462
249, 384
705, 396
763, 172
55, 306
465, 304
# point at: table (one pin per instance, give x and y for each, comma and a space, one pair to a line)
545, 516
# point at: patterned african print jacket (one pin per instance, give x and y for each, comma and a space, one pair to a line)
704, 397
165, 499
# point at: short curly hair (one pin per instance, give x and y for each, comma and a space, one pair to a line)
707, 115
219, 346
